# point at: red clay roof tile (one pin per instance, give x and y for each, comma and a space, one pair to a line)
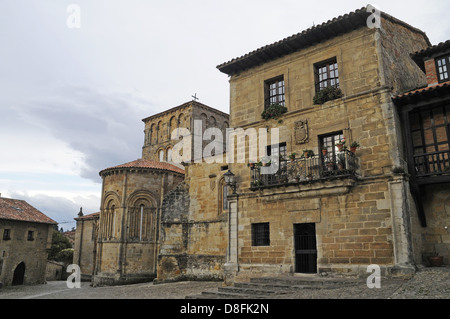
141, 163
19, 210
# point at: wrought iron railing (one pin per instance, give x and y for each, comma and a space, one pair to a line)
432, 164
304, 169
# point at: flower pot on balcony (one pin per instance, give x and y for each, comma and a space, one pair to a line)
324, 152
436, 261
340, 147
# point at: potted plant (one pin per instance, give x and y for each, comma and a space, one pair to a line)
354, 146
436, 260
340, 145
308, 153
292, 156
324, 151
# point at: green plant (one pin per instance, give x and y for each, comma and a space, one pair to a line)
274, 111
308, 153
355, 144
327, 94
292, 156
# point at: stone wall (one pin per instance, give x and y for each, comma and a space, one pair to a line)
33, 253
193, 228
359, 221
128, 242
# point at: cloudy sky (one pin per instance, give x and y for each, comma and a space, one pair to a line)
72, 99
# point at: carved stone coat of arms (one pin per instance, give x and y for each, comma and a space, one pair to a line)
301, 132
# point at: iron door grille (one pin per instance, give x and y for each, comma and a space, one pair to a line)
305, 248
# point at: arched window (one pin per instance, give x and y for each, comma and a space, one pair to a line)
141, 221
109, 221
169, 154
161, 155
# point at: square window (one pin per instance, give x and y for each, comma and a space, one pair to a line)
261, 234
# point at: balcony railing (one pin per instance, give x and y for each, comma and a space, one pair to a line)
305, 170
432, 164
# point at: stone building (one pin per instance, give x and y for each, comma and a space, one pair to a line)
26, 237
128, 239
310, 202
340, 210
425, 116
85, 244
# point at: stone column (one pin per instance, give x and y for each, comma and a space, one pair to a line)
401, 228
232, 265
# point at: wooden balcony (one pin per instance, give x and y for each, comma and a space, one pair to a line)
305, 170
432, 168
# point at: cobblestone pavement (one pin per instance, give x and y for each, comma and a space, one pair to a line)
428, 283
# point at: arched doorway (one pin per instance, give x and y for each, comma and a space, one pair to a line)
19, 275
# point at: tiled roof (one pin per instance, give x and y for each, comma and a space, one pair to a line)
438, 90
322, 32
90, 216
19, 210
420, 55
141, 163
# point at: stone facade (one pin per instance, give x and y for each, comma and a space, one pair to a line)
26, 237
360, 219
194, 226
130, 226
85, 245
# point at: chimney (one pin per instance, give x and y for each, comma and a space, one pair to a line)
431, 72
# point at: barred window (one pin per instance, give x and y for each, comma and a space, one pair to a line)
261, 234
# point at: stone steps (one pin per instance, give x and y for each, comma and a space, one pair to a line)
266, 288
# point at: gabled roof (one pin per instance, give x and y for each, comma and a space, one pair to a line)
322, 32
146, 164
183, 106
20, 210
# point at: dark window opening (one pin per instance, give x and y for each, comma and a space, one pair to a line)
30, 236
7, 234
261, 234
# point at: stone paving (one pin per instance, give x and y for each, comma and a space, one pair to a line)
428, 283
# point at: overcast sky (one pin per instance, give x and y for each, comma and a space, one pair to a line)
72, 99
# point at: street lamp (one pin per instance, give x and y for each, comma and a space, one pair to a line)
230, 180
